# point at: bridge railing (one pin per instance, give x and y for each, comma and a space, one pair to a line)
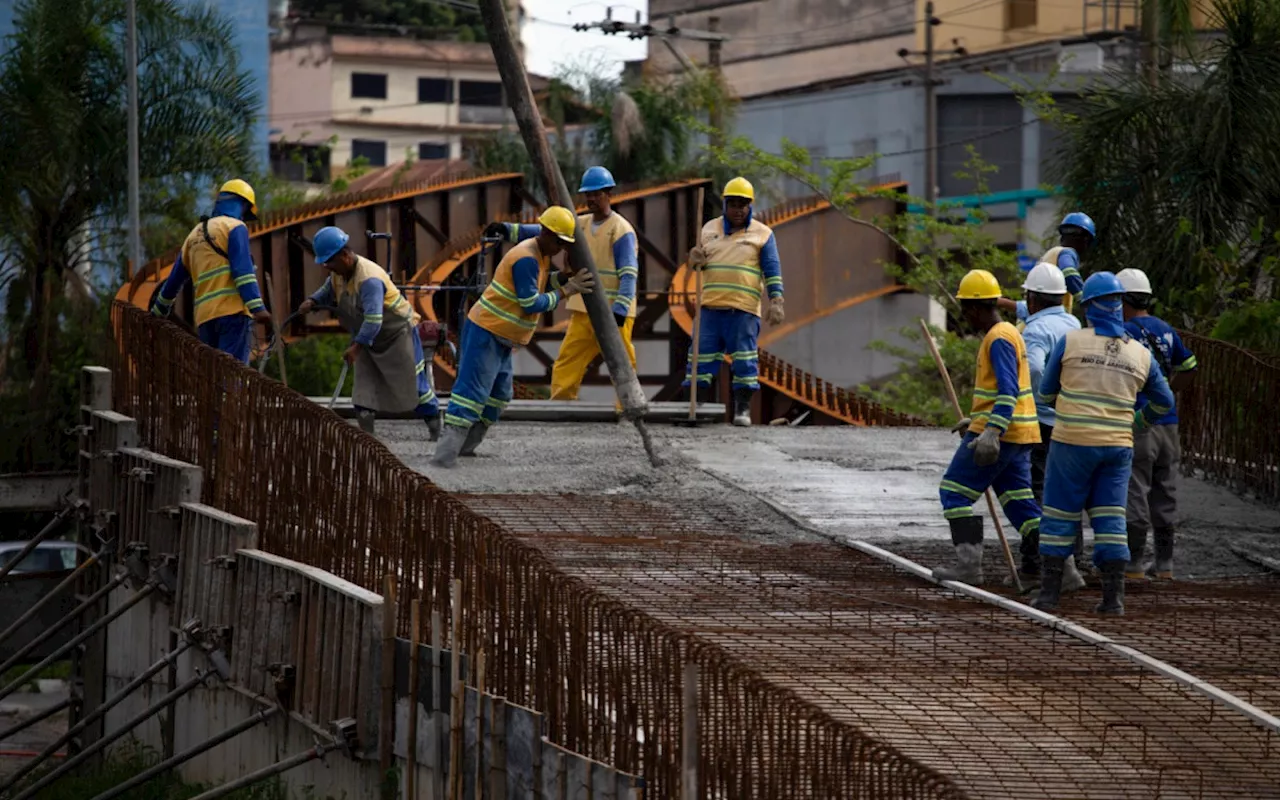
608, 677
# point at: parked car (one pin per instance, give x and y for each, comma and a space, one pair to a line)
52, 556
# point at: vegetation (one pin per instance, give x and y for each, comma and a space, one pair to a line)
314, 364
424, 17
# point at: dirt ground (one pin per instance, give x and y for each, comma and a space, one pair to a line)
14, 710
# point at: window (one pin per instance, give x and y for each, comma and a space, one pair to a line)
369, 84
373, 151
300, 162
479, 93
992, 125
435, 90
428, 151
1019, 14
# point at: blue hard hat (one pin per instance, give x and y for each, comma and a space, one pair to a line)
1079, 219
328, 242
595, 179
1101, 284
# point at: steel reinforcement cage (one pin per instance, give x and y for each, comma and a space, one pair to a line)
607, 677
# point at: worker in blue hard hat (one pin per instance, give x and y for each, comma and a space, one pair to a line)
1076, 235
612, 242
1094, 377
216, 257
391, 371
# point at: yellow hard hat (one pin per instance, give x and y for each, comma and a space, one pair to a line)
559, 220
739, 187
978, 284
243, 190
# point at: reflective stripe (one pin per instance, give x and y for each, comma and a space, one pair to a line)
960, 489
499, 310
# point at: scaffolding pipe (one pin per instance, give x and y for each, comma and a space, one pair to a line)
51, 595
27, 723
186, 755
100, 745
45, 532
98, 713
57, 626
266, 772
137, 597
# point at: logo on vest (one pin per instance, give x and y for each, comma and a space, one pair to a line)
1113, 347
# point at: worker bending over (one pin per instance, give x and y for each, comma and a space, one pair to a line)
998, 434
1047, 322
739, 260
1076, 235
215, 256
391, 370
1093, 377
503, 319
612, 242
1157, 452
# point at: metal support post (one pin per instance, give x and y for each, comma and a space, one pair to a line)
48, 530
344, 739
930, 114
52, 595
27, 723
74, 614
131, 67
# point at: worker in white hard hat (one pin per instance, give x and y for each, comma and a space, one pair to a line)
1047, 322
1152, 500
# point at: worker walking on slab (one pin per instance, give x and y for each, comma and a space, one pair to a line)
1076, 235
1157, 452
1047, 322
998, 434
391, 370
215, 257
739, 259
503, 319
1093, 378
612, 241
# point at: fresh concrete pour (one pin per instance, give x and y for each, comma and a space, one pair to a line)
873, 484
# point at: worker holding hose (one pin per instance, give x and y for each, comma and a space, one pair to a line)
1093, 378
504, 318
215, 256
998, 434
385, 348
612, 242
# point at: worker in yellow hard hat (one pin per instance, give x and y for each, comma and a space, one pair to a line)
215, 256
998, 434
503, 319
738, 257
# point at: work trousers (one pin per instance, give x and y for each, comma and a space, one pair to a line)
1153, 486
1093, 479
577, 351
484, 385
965, 482
232, 334
428, 406
727, 332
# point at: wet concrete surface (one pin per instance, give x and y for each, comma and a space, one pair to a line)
21, 706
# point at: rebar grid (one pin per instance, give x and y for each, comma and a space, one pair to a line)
1006, 707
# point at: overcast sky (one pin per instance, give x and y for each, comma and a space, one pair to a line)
550, 40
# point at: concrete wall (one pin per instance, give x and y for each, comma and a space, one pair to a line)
302, 93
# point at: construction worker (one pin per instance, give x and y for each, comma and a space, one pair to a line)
1047, 322
998, 434
739, 259
612, 242
391, 370
503, 319
1156, 450
1076, 235
1093, 377
216, 257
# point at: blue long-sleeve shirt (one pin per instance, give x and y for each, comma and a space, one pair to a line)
1004, 363
1069, 263
771, 266
372, 301
239, 260
524, 273
1156, 334
624, 262
1045, 328
1159, 397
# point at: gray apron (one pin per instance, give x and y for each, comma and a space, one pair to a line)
386, 371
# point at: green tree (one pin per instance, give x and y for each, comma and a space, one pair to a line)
424, 17
63, 184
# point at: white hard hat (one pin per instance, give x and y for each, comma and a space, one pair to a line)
1134, 281
1045, 278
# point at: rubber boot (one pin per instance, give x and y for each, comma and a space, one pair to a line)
742, 407
1051, 569
1134, 571
1112, 589
433, 427
1072, 580
364, 419
1163, 566
1029, 567
966, 534
452, 438
474, 437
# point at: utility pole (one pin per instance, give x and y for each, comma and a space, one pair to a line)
931, 85
131, 63
713, 61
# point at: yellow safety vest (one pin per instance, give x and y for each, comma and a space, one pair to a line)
393, 302
732, 277
600, 241
1101, 378
215, 291
1024, 428
498, 310
1051, 257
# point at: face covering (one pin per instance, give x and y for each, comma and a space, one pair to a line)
1106, 316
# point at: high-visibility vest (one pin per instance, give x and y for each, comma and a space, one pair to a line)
732, 277
600, 242
393, 302
1100, 381
216, 293
498, 311
1051, 257
1024, 428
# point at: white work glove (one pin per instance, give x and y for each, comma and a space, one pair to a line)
775, 315
961, 426
581, 282
697, 258
986, 448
